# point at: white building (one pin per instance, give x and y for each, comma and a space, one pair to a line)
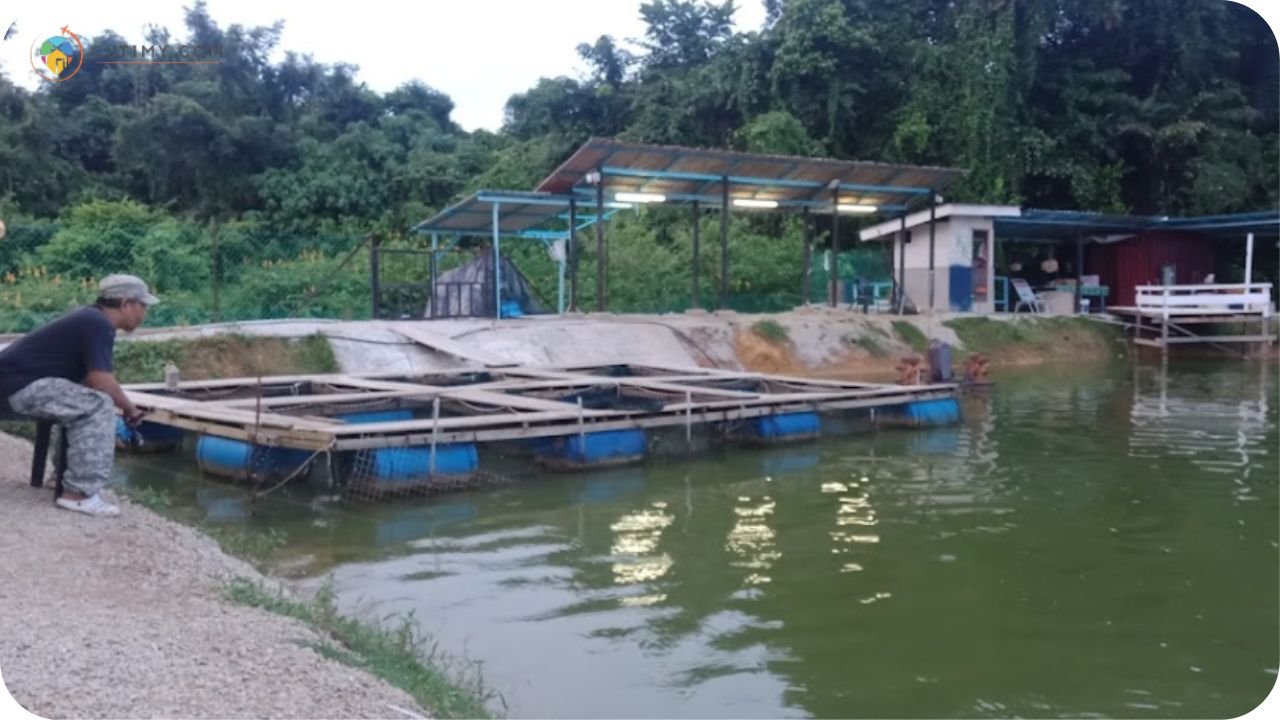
963, 258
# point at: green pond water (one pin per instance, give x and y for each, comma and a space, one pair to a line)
1088, 542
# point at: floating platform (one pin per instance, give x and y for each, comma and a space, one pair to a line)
392, 431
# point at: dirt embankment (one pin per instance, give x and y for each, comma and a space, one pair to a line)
827, 345
814, 341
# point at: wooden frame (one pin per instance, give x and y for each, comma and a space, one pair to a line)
508, 403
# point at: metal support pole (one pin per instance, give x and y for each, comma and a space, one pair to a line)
695, 301
571, 255
724, 243
435, 434
215, 275
375, 285
995, 252
1248, 261
1079, 269
688, 418
833, 280
1164, 319
806, 279
933, 216
564, 259
435, 248
497, 263
600, 267
902, 267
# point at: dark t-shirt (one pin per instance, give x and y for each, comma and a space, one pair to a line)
69, 347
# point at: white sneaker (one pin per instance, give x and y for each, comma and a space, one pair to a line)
92, 505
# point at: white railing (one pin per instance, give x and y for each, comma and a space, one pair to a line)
1222, 299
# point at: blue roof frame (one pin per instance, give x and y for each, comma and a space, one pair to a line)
526, 215
1044, 224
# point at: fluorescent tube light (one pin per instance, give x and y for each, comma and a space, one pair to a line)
630, 197
753, 203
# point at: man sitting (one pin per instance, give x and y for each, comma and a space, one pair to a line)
64, 371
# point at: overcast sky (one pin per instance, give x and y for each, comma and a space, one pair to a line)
480, 52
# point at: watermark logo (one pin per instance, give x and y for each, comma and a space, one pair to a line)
176, 54
58, 58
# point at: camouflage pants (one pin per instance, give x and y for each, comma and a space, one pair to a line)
89, 419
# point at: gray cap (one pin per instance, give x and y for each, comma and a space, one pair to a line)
126, 287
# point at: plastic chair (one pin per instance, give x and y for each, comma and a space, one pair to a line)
40, 452
1026, 296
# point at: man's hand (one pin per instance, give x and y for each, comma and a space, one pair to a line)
106, 382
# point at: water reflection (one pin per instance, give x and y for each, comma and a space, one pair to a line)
1075, 547
751, 540
401, 525
1219, 432
636, 538
611, 486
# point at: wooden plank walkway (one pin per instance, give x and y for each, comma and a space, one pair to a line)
495, 404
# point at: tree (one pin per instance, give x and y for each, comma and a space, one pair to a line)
609, 63
778, 132
683, 33
418, 98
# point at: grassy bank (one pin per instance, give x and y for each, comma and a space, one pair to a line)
398, 654
1027, 341
395, 651
223, 356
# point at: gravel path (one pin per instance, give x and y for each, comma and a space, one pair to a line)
149, 634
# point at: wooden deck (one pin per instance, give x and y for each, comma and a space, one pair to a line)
496, 404
1165, 311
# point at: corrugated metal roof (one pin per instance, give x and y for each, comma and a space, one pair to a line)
518, 212
683, 174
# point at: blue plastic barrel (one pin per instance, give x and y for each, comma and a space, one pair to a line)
397, 466
922, 413
240, 460
407, 464
593, 449
781, 428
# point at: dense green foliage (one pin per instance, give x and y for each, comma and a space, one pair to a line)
239, 187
